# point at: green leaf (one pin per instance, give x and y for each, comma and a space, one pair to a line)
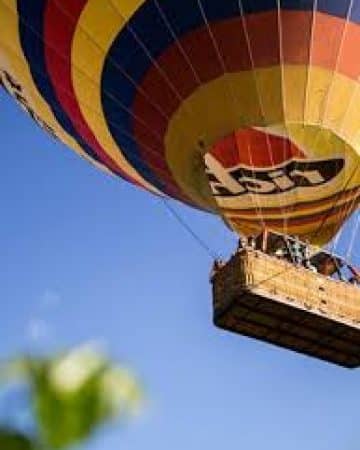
74, 393
12, 440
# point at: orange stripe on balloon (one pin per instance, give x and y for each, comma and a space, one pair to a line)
342, 198
326, 217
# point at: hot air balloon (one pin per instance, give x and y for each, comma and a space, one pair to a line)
243, 108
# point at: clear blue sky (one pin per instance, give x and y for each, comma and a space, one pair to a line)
84, 256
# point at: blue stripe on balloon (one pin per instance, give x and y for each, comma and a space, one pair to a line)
31, 32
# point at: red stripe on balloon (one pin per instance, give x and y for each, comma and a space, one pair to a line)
59, 30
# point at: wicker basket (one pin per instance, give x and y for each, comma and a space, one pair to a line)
273, 300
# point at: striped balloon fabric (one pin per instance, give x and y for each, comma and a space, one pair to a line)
244, 108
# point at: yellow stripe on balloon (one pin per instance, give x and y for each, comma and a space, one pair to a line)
294, 99
337, 102
13, 62
350, 129
10, 5
270, 94
318, 85
127, 8
214, 115
102, 21
332, 103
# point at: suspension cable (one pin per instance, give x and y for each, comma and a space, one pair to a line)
334, 243
353, 236
210, 252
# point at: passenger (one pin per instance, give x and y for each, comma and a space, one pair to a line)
307, 252
307, 258
297, 250
308, 265
239, 246
341, 277
242, 244
218, 264
252, 242
355, 281
327, 267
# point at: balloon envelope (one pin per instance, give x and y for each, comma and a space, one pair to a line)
244, 108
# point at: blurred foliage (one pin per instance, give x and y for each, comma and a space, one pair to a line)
13, 440
73, 394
